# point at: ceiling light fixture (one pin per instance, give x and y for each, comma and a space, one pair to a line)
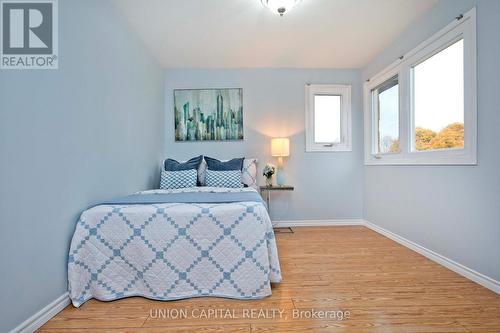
280, 7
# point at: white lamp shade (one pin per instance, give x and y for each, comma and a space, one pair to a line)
280, 147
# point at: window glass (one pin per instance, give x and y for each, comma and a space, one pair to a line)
439, 100
327, 118
386, 106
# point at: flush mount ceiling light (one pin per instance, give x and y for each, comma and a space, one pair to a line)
280, 7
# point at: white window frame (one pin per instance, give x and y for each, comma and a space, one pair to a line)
373, 114
463, 27
344, 91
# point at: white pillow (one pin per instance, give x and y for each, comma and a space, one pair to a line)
249, 172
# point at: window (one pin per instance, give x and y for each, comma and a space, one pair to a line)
385, 99
439, 100
422, 109
328, 118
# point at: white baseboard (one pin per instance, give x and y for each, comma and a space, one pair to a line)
317, 223
44, 315
458, 268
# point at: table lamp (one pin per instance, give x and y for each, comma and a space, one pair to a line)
280, 147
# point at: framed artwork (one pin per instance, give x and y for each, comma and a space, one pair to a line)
208, 114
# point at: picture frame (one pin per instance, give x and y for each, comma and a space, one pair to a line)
212, 114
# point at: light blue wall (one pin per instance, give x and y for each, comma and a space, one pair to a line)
328, 185
452, 210
70, 137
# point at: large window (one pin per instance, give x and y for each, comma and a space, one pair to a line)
328, 118
422, 109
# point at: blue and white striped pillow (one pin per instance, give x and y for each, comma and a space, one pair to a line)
228, 178
178, 179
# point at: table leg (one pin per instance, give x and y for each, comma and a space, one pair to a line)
268, 201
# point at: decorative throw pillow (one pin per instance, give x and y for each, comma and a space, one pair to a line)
201, 173
249, 172
228, 178
178, 179
216, 165
173, 165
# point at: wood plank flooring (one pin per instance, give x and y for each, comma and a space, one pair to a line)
375, 283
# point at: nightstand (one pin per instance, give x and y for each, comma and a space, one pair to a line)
270, 189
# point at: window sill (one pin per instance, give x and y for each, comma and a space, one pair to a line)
328, 150
462, 159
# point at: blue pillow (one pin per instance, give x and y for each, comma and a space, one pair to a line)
228, 178
178, 179
173, 165
216, 165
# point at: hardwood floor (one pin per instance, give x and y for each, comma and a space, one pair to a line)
375, 283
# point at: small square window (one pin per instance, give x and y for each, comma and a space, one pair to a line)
328, 118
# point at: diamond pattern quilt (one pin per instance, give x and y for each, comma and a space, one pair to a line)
169, 251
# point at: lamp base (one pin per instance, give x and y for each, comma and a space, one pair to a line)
280, 177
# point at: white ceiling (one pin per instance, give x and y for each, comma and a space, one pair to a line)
242, 33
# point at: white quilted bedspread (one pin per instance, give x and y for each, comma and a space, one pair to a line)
169, 251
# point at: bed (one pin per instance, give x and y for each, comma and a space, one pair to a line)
174, 244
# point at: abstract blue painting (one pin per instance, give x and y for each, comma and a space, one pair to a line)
208, 114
